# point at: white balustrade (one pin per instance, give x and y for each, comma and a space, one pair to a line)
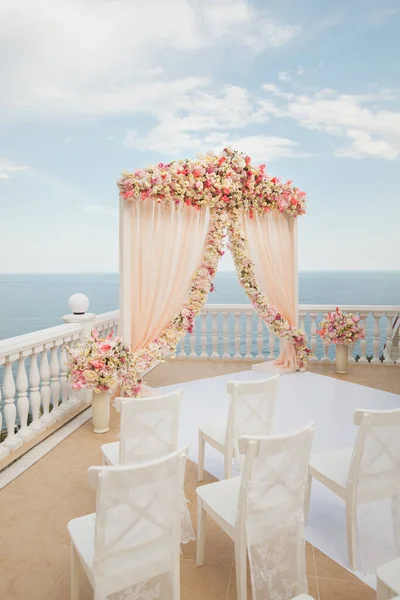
107, 323
29, 387
33, 371
235, 324
35, 391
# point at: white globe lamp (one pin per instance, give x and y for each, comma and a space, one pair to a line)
79, 304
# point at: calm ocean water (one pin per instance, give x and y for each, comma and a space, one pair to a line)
32, 302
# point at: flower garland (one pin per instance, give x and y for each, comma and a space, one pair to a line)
223, 182
270, 314
341, 328
201, 285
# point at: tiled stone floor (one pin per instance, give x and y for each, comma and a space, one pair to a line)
36, 507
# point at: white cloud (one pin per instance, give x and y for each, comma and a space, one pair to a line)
101, 210
371, 130
263, 148
284, 76
8, 169
112, 56
299, 71
198, 118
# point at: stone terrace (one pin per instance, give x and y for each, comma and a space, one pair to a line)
36, 507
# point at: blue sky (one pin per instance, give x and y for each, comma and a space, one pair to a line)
89, 89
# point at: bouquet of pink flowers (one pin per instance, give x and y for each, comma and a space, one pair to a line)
341, 328
99, 364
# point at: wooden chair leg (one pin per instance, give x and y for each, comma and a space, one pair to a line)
228, 457
75, 568
176, 576
241, 569
351, 531
382, 591
307, 497
200, 466
201, 533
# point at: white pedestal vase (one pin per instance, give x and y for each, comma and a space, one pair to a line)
101, 412
342, 358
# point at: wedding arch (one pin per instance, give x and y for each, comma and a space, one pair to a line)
174, 220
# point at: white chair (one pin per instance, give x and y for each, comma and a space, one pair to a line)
130, 547
251, 412
303, 597
369, 471
149, 429
262, 512
388, 580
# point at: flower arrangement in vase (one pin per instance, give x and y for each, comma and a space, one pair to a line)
101, 364
341, 329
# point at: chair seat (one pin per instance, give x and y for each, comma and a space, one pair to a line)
149, 562
333, 466
82, 532
222, 497
111, 453
215, 432
390, 575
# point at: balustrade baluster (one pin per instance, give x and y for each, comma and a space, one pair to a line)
271, 345
325, 357
193, 336
23, 402
389, 337
64, 387
55, 386
351, 354
363, 342
225, 334
12, 441
181, 353
45, 391
237, 315
248, 336
34, 380
4, 451
313, 341
260, 338
214, 333
376, 342
204, 335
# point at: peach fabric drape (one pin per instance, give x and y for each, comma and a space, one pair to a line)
272, 250
166, 246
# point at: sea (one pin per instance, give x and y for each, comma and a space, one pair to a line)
32, 302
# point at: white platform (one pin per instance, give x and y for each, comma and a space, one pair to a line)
303, 397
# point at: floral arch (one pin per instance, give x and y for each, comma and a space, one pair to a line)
186, 209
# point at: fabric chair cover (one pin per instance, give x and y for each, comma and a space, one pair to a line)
252, 409
136, 552
376, 469
275, 516
149, 430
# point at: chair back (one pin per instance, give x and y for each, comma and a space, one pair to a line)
271, 511
375, 464
137, 535
251, 409
149, 427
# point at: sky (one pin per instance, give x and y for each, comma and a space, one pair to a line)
90, 88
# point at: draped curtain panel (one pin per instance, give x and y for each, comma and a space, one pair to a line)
272, 250
162, 248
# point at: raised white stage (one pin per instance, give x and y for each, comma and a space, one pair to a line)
303, 397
